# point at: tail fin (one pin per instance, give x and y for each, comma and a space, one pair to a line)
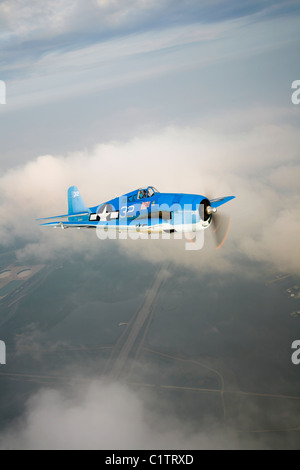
75, 202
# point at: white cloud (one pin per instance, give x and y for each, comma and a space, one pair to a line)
56, 73
101, 415
119, 61
258, 166
24, 19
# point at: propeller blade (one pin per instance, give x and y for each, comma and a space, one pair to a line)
221, 225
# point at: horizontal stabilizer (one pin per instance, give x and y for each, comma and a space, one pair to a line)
76, 209
64, 216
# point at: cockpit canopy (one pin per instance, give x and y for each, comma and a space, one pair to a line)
146, 192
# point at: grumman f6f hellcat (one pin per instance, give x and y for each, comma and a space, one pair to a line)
145, 210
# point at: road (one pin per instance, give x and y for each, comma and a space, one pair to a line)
128, 341
9, 303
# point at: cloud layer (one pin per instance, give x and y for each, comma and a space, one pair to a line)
255, 159
101, 415
27, 20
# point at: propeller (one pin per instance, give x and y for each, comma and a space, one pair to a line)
220, 223
221, 226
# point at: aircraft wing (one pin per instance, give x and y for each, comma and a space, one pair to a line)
69, 224
220, 200
88, 224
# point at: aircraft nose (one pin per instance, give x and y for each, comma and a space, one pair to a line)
204, 209
211, 210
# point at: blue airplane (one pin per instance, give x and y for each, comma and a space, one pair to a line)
146, 210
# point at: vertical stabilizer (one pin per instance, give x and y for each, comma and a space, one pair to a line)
75, 201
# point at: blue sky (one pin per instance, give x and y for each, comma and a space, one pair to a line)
79, 73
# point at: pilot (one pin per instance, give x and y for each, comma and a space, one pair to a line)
144, 193
150, 192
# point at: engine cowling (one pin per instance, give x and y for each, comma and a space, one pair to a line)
203, 206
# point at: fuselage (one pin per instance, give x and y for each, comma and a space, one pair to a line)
149, 210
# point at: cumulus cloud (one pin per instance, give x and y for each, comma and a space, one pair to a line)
101, 415
88, 413
257, 163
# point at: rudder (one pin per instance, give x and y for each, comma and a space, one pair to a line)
75, 201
